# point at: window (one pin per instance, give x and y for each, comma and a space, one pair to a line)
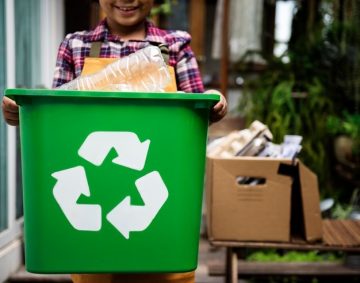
27, 43
30, 33
3, 155
28, 73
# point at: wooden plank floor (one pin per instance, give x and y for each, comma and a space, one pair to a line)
250, 269
342, 233
338, 235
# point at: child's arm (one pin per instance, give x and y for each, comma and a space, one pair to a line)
189, 79
64, 69
10, 111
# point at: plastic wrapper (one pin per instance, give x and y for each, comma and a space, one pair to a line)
141, 71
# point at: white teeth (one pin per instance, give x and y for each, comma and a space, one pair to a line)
126, 9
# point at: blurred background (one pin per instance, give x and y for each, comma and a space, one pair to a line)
293, 65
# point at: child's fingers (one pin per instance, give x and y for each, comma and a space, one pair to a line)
218, 106
218, 112
9, 105
221, 105
10, 111
12, 122
11, 116
220, 109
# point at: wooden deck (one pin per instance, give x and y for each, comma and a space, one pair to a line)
338, 235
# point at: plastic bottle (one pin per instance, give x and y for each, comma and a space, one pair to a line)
141, 71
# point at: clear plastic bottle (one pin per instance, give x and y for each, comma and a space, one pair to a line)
141, 71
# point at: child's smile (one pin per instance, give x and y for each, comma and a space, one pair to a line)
127, 17
126, 11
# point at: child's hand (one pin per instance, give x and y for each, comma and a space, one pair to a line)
10, 111
220, 109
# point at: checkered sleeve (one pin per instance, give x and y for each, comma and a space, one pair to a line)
64, 69
187, 70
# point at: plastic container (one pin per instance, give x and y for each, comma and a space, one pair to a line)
144, 70
85, 152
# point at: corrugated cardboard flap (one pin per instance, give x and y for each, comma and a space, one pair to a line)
311, 203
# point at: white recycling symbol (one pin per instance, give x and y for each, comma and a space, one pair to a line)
72, 183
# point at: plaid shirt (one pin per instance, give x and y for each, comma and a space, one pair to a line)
76, 46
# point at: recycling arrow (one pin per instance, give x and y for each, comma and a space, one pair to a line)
131, 152
126, 217
71, 184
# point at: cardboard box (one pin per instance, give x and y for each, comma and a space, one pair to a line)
286, 205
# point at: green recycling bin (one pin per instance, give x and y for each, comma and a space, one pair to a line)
112, 181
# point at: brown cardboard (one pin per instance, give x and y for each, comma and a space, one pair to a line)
310, 199
261, 212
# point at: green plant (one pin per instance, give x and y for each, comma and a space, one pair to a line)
347, 124
316, 78
272, 255
163, 8
276, 101
341, 211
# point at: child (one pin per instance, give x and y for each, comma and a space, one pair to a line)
124, 31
